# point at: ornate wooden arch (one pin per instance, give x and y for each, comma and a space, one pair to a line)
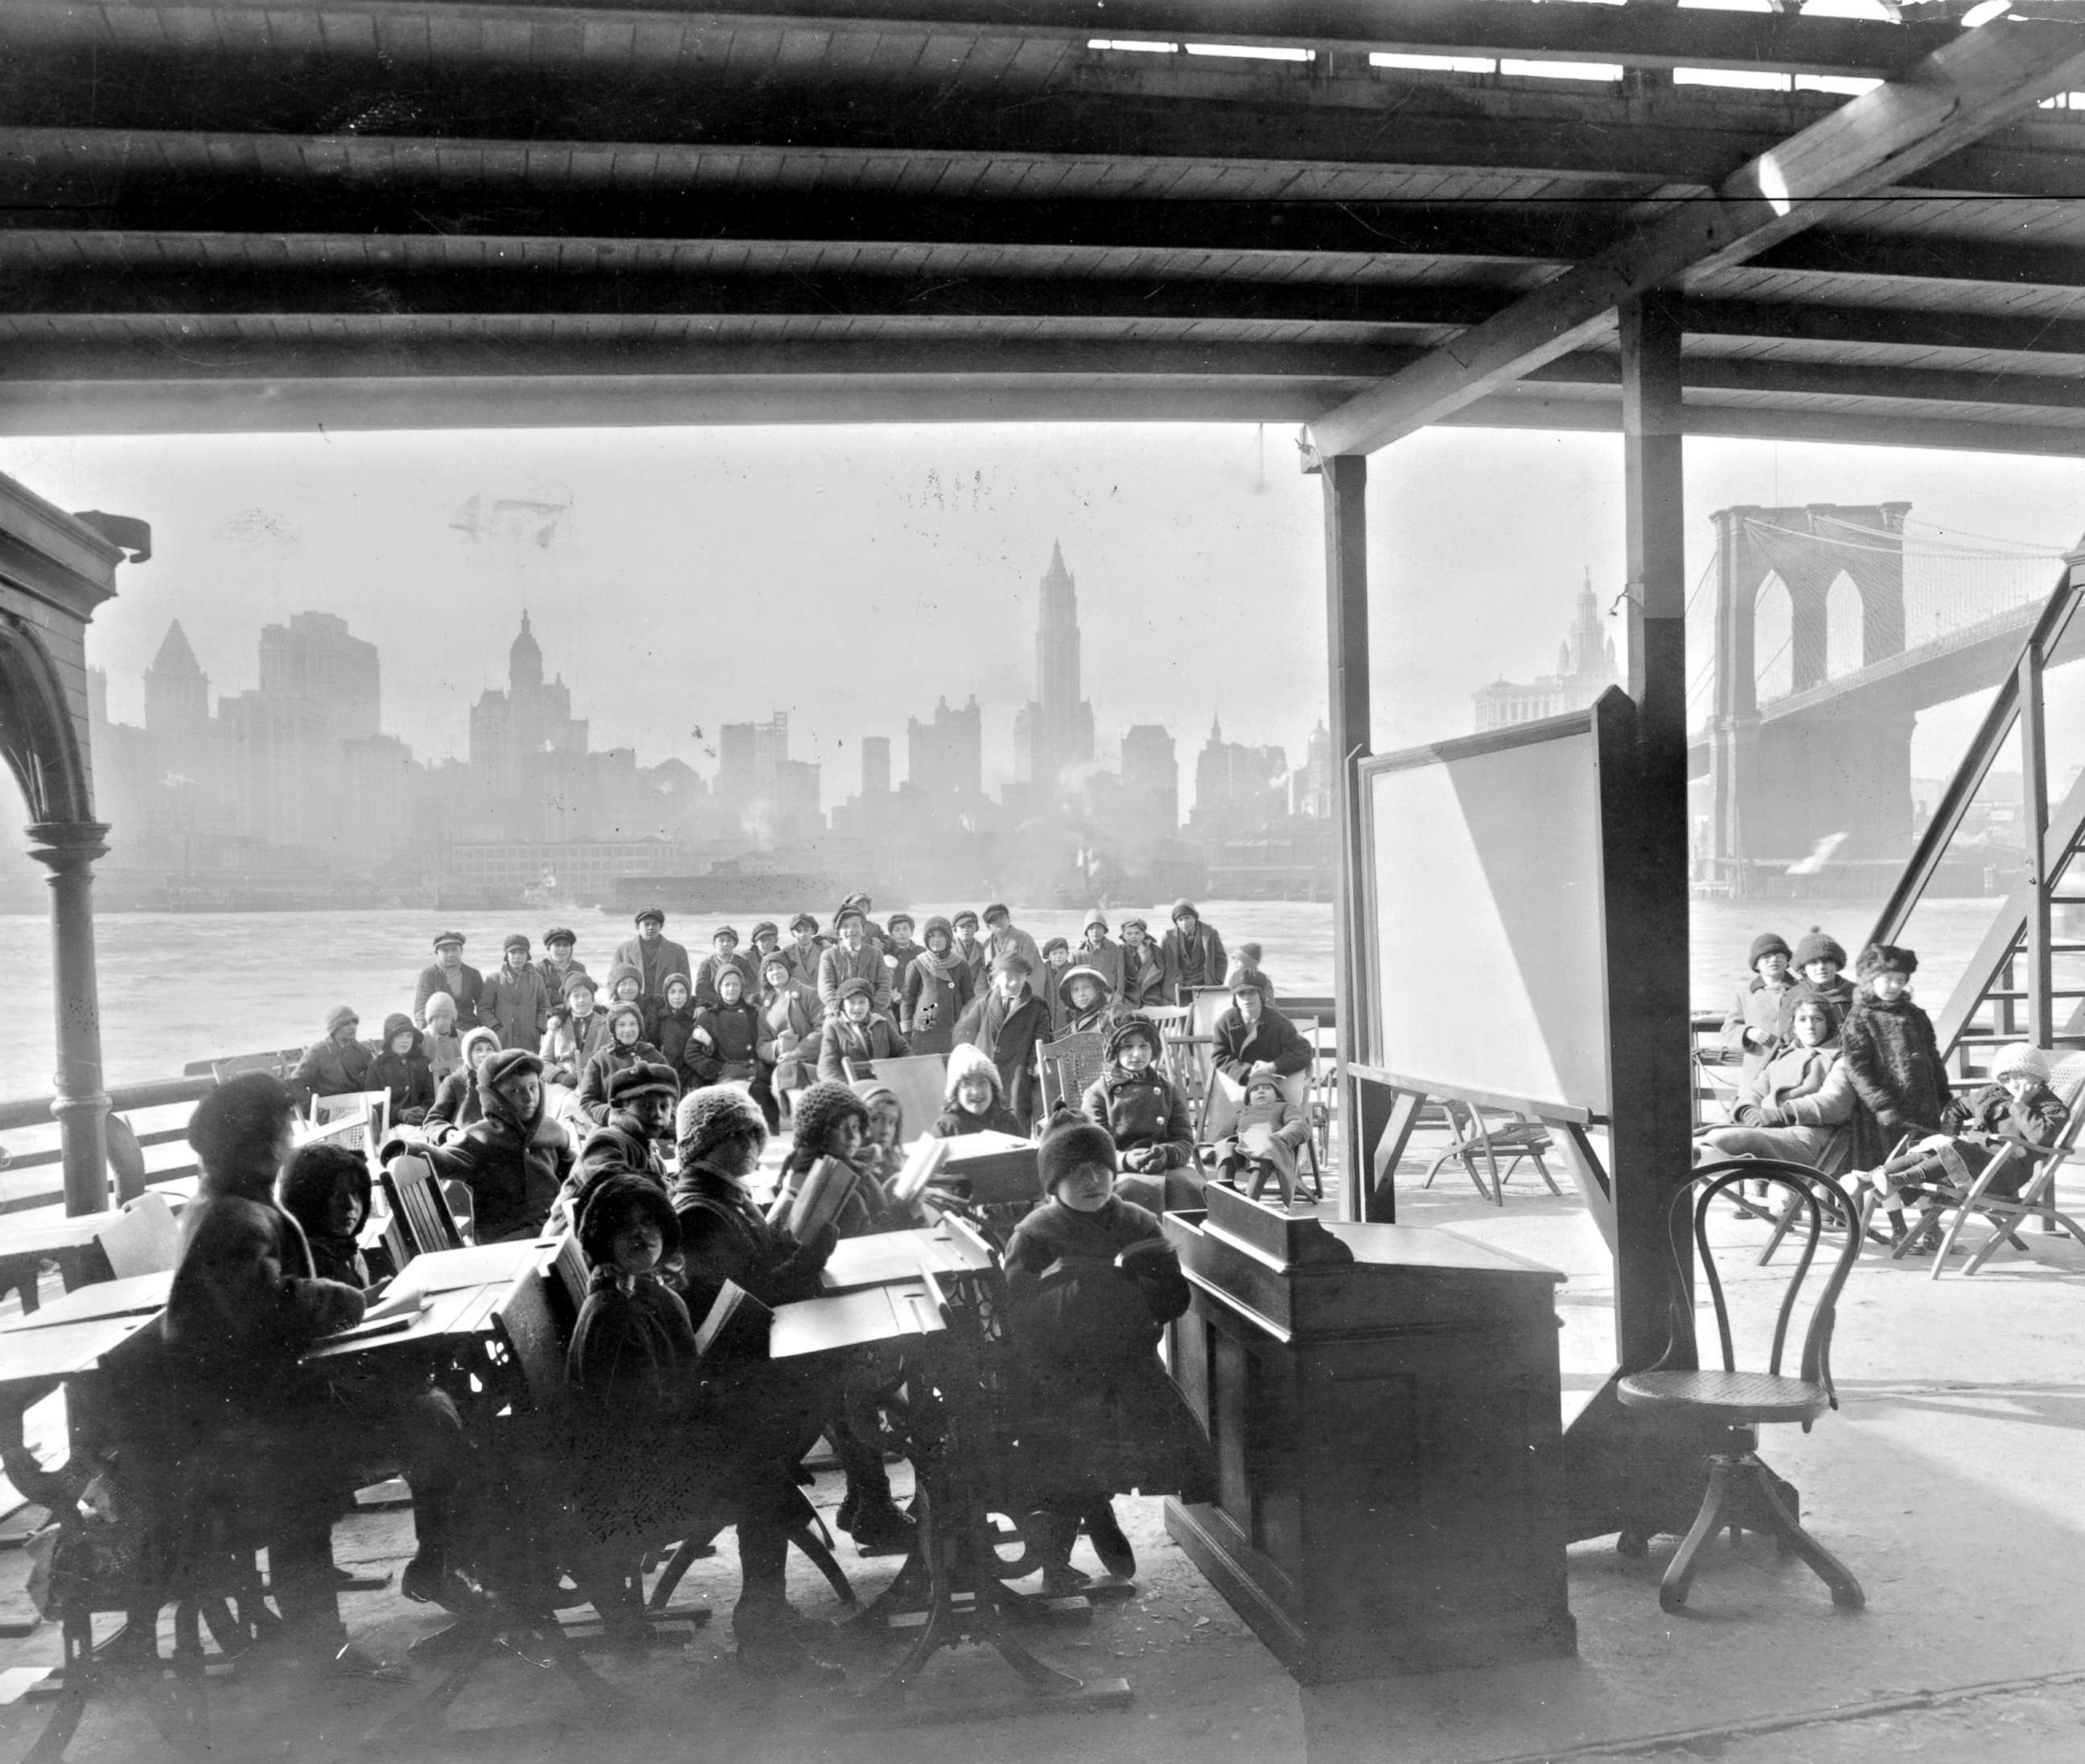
37, 735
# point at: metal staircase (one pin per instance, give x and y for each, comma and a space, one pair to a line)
2026, 981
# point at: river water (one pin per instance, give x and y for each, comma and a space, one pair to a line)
178, 987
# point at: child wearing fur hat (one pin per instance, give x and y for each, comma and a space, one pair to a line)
1893, 1060
513, 1160
625, 1046
1091, 1284
1269, 1132
1147, 1119
658, 1452
933, 991
401, 1070
441, 1043
455, 1105
2017, 1107
1752, 1027
973, 1102
856, 1030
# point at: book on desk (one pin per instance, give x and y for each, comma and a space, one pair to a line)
993, 1169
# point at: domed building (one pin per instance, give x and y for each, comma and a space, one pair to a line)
530, 718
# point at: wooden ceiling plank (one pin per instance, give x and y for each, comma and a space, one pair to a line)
1973, 85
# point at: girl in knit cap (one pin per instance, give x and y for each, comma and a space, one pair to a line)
442, 1045
660, 1453
625, 1046
2017, 1106
1894, 1062
973, 1102
933, 991
1091, 1284
1752, 1027
1269, 1131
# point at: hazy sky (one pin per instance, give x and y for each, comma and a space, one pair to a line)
688, 577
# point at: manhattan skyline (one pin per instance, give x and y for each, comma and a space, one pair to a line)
686, 578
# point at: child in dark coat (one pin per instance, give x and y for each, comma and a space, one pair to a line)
246, 1301
675, 1022
657, 1454
724, 1047
1091, 1284
1147, 1120
402, 1069
627, 1046
1893, 1062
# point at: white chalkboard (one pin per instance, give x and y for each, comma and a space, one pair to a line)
1487, 918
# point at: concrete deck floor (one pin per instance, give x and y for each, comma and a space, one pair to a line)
1948, 1481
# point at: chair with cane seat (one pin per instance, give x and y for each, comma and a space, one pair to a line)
1741, 1490
1069, 1064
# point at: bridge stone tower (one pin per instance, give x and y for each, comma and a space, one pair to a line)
1778, 784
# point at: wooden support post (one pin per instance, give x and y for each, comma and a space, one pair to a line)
1347, 647
1652, 1049
68, 848
2034, 805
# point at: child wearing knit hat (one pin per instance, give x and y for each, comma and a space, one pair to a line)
1091, 1284
2017, 1104
1269, 1131
1817, 973
1752, 1027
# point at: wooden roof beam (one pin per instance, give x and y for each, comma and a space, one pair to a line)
1634, 36
1977, 84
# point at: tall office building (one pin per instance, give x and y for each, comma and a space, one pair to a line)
1055, 729
944, 758
875, 765
1151, 779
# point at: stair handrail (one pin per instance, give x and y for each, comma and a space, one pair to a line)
1982, 754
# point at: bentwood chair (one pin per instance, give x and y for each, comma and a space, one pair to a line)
1742, 1492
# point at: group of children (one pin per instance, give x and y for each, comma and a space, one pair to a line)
1849, 1077
662, 1442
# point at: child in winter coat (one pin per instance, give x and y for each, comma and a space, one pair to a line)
513, 1161
1057, 963
1253, 1033
577, 1030
1894, 1062
1086, 1003
1799, 1107
833, 1121
882, 1151
1269, 1131
657, 1451
1752, 1027
855, 1029
441, 1043
625, 1046
2017, 1105
1147, 1119
900, 950
1143, 974
788, 1020
456, 1104
1091, 1284
724, 1047
625, 986
935, 988
675, 1022
401, 1069
1009, 1022
973, 1102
